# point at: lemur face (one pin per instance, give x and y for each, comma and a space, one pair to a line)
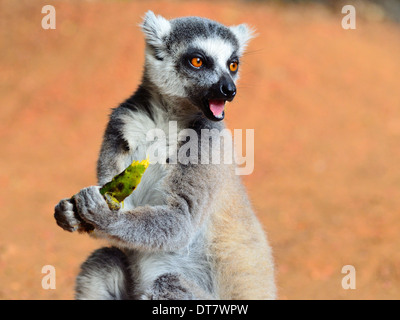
195, 59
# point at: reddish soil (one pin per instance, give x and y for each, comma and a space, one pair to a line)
324, 103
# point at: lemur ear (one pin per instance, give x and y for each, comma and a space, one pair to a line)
155, 28
243, 34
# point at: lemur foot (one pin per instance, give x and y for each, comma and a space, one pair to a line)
168, 287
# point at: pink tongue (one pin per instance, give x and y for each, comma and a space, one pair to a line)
216, 106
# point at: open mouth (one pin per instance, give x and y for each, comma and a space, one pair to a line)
217, 107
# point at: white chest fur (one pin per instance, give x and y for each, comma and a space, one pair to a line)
137, 131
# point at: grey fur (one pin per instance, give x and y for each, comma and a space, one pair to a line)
162, 231
105, 276
186, 29
171, 286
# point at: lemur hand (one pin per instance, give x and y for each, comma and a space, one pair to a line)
93, 208
84, 211
67, 217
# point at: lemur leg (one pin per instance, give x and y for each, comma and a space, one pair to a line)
171, 286
104, 276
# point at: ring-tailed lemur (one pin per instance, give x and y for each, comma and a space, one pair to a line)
188, 231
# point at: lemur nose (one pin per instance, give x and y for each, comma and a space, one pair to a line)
228, 88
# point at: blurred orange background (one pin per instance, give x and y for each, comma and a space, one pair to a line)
324, 103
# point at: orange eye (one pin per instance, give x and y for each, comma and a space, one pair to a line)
196, 62
233, 66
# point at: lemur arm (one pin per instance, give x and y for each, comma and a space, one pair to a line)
163, 227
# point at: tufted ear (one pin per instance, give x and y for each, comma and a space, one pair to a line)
243, 34
155, 28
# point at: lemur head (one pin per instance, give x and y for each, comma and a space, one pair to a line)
195, 59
